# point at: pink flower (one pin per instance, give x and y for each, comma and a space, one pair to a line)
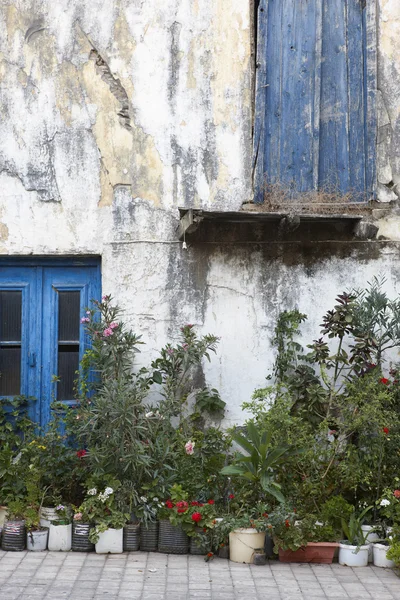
85, 320
113, 325
78, 516
107, 332
189, 447
185, 347
170, 351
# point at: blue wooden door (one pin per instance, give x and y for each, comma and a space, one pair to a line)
41, 337
312, 101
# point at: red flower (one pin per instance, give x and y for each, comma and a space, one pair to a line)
265, 515
396, 493
194, 503
181, 510
182, 504
231, 496
210, 554
211, 502
200, 504
196, 517
169, 504
385, 430
287, 524
384, 381
205, 529
81, 453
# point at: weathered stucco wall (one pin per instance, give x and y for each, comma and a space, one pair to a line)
114, 113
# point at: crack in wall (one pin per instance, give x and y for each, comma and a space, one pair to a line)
116, 87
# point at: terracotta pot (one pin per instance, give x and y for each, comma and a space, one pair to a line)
314, 552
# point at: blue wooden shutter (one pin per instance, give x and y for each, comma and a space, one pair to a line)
314, 126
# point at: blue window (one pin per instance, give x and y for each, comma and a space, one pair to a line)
41, 337
315, 125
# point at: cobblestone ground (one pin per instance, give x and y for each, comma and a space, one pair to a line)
142, 576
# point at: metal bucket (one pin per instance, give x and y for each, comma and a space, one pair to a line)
80, 537
13, 536
171, 539
149, 537
131, 537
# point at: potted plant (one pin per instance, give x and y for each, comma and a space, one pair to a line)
353, 551
389, 513
13, 535
302, 539
60, 530
36, 535
81, 528
102, 509
247, 534
142, 531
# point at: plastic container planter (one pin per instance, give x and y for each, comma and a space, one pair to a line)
60, 536
379, 550
36, 541
13, 536
370, 537
47, 515
171, 539
353, 556
80, 537
243, 543
110, 542
131, 537
314, 552
149, 537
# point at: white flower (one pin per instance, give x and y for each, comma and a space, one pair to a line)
108, 491
143, 498
103, 497
149, 414
189, 447
155, 499
92, 492
385, 502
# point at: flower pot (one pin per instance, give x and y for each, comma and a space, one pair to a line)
36, 541
370, 537
13, 536
353, 556
149, 537
259, 558
110, 542
47, 515
379, 556
172, 539
314, 552
60, 537
80, 537
194, 547
131, 537
223, 552
243, 543
3, 515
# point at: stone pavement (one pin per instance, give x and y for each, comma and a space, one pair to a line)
142, 576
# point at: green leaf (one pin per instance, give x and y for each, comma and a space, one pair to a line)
157, 377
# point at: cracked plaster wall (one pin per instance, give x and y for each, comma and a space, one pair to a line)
115, 112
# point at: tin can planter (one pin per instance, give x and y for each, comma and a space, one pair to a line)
243, 543
259, 557
194, 545
13, 536
379, 553
223, 551
353, 556
36, 541
172, 539
131, 537
80, 537
60, 536
149, 537
110, 542
315, 552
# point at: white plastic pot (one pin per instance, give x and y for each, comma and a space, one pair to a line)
60, 537
110, 542
379, 554
36, 541
3, 515
243, 543
47, 515
370, 537
353, 556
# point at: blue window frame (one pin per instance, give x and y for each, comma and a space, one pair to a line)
41, 337
315, 121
